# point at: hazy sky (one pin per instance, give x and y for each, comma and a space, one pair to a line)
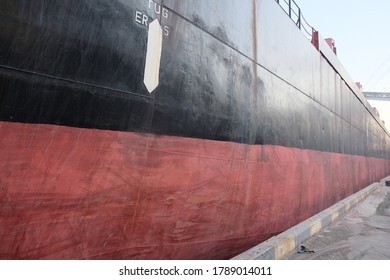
361, 31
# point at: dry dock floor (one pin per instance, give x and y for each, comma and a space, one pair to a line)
362, 234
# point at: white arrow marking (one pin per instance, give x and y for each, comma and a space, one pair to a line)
153, 56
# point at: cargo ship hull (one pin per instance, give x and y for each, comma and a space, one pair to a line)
249, 130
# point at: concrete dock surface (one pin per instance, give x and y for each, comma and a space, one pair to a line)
362, 234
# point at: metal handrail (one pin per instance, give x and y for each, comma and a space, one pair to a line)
294, 12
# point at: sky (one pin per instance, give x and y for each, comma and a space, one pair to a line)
361, 32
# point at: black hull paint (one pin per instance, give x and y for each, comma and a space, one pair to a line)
80, 63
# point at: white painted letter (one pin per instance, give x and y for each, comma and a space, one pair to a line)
166, 31
138, 17
157, 8
145, 20
165, 13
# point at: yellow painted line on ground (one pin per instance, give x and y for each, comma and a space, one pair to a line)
315, 227
284, 247
347, 205
335, 215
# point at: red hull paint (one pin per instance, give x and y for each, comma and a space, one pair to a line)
72, 193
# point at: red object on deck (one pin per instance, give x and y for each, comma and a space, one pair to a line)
315, 39
332, 45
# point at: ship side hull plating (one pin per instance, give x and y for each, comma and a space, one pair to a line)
249, 131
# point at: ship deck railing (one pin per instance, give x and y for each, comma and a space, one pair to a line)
294, 12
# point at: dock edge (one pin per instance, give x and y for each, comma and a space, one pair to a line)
279, 246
